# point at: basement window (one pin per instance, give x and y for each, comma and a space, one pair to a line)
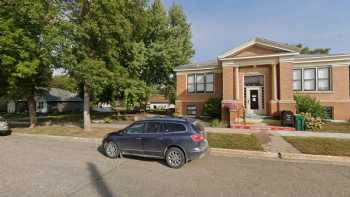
328, 112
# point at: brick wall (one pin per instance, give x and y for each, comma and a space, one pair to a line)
183, 98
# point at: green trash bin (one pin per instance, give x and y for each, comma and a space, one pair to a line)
299, 122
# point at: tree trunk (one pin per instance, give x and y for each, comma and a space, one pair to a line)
32, 111
87, 119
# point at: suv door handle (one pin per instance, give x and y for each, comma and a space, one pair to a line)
139, 138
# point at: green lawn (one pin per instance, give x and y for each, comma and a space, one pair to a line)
337, 127
321, 146
234, 141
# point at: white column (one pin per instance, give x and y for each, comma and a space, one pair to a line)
274, 82
237, 83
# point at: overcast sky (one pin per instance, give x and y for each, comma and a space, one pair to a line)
219, 25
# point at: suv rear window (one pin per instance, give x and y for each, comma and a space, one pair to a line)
175, 127
197, 127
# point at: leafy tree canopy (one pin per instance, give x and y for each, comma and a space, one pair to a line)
25, 60
64, 82
307, 50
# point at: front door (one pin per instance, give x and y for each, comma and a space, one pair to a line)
254, 100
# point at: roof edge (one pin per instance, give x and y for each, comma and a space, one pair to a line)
262, 41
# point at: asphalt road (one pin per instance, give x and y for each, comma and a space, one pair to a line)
45, 166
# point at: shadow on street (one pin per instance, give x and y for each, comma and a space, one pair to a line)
98, 181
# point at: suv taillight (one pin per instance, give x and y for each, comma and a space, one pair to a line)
197, 137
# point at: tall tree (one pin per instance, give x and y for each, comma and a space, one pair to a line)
119, 49
181, 48
94, 30
307, 50
24, 59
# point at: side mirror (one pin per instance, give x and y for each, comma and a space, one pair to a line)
122, 132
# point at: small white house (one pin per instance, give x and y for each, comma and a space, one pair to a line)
159, 102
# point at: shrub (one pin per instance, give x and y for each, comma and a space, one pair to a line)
312, 123
212, 108
219, 123
307, 104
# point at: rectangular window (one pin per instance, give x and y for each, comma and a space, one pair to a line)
328, 112
310, 79
323, 79
136, 128
209, 82
297, 79
191, 83
40, 105
153, 127
200, 82
191, 110
175, 127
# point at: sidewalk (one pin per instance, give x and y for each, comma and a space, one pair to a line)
312, 134
278, 145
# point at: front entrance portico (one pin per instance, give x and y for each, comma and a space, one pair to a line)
254, 87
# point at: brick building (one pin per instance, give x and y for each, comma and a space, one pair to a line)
262, 77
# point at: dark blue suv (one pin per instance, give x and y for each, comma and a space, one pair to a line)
174, 139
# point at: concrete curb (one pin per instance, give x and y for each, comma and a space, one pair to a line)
244, 153
309, 157
283, 156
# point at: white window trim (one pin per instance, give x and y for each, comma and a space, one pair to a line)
301, 80
205, 83
316, 79
194, 109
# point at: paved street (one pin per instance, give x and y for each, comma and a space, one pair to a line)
46, 166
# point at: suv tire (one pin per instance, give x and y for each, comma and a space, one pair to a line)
111, 149
175, 158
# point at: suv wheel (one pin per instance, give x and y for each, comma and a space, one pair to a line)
175, 158
111, 149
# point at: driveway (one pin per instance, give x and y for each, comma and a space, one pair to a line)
46, 166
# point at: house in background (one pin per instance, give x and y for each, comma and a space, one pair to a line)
55, 101
159, 102
262, 77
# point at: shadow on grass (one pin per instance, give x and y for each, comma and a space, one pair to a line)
98, 181
140, 158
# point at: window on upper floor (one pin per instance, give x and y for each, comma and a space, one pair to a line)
297, 79
323, 79
209, 82
312, 79
191, 83
200, 83
309, 79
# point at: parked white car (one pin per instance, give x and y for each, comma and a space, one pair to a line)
4, 127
